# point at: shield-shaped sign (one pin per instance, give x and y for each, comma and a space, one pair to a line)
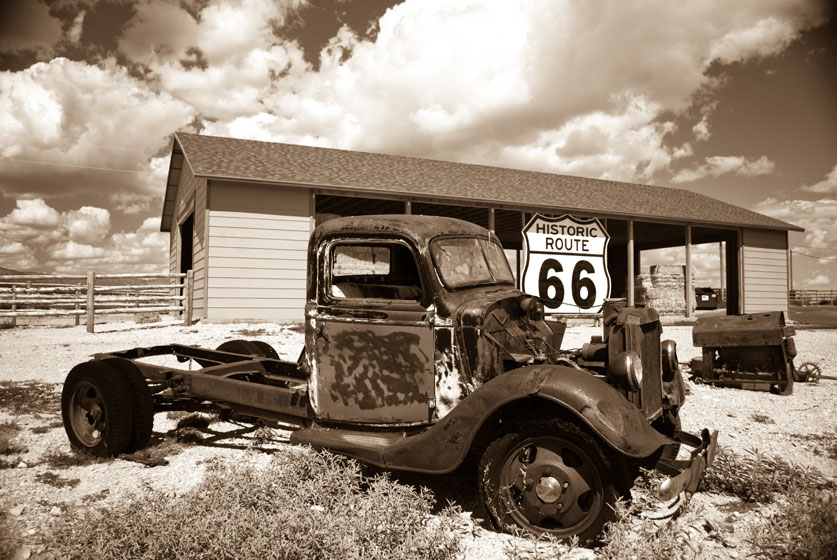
565, 263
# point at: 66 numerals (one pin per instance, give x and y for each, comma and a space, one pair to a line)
551, 290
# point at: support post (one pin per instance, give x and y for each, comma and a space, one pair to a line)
689, 288
91, 312
722, 288
76, 306
187, 301
491, 220
408, 207
630, 294
14, 305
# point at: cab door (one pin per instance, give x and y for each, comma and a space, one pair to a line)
372, 335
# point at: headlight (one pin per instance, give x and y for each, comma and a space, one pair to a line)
626, 370
532, 308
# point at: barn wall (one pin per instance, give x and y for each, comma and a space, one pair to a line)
258, 241
191, 198
765, 270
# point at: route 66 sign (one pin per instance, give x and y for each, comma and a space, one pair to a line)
565, 263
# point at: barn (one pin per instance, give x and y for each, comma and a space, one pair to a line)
239, 214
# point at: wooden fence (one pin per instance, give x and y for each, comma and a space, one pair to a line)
42, 295
813, 297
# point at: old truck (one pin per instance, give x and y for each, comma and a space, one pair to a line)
419, 353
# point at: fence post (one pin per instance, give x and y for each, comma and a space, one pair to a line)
187, 302
76, 306
91, 313
14, 305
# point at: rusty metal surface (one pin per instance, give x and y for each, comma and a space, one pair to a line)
442, 447
754, 329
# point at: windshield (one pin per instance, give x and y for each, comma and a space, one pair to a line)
468, 261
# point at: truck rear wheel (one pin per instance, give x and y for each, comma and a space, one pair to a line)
97, 410
143, 404
548, 476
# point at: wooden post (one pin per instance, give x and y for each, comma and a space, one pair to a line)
76, 306
91, 313
689, 288
630, 294
187, 302
14, 305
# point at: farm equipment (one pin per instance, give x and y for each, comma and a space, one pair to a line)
753, 351
419, 352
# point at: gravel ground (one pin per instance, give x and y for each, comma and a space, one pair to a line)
790, 427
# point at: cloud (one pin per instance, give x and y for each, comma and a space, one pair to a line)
66, 124
719, 165
701, 129
827, 185
817, 280
36, 236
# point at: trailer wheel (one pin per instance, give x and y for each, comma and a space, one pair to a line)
241, 347
97, 410
785, 388
548, 477
143, 404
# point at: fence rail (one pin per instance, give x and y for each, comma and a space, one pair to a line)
41, 296
813, 297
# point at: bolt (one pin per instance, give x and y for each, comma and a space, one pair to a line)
547, 471
529, 484
566, 485
560, 506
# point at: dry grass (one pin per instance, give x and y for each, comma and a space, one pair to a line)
30, 397
301, 505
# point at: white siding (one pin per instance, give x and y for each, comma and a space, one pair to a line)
765, 271
258, 243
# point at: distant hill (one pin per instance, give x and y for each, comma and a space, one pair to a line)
10, 271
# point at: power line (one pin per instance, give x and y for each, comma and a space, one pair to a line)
814, 256
80, 166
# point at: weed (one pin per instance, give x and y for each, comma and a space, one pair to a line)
262, 435
196, 420
64, 460
821, 444
799, 529
305, 504
632, 536
251, 332
187, 435
29, 397
756, 477
762, 418
8, 439
97, 497
56, 481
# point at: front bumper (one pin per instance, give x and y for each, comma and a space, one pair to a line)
685, 475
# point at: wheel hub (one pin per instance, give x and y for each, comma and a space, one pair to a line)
549, 489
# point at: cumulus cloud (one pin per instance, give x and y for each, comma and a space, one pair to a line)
38, 237
816, 216
720, 165
827, 185
817, 279
63, 124
706, 262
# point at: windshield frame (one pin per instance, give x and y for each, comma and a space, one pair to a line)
493, 281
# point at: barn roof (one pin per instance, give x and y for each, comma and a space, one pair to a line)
215, 157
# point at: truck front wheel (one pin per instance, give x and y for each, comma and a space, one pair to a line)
548, 476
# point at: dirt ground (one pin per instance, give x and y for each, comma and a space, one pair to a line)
34, 491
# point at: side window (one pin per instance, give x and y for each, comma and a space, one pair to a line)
374, 270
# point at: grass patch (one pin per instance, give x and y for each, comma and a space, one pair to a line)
762, 418
195, 420
306, 504
56, 481
799, 529
756, 477
29, 397
632, 536
9, 445
9, 538
251, 332
821, 444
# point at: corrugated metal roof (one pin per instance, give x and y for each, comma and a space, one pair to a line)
217, 157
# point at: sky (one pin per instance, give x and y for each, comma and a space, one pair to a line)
734, 100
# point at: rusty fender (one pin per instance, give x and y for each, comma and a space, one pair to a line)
442, 447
